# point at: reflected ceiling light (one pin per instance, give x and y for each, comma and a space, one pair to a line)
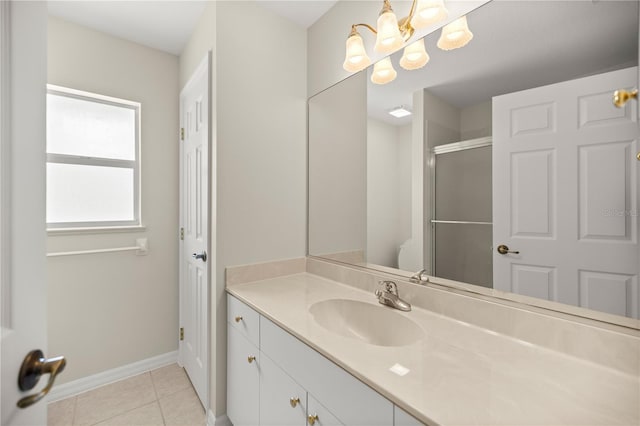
414, 56
356, 57
455, 35
428, 12
383, 72
400, 112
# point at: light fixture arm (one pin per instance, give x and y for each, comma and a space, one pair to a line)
404, 25
354, 30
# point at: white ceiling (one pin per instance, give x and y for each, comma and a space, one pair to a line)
518, 45
163, 25
167, 25
302, 12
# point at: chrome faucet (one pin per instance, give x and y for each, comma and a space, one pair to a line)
388, 295
420, 277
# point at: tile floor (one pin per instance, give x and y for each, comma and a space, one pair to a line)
158, 397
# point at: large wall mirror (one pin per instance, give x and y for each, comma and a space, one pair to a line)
514, 175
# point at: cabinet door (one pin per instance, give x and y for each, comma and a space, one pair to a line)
318, 415
282, 401
243, 389
402, 418
348, 398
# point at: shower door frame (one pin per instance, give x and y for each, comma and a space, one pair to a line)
432, 222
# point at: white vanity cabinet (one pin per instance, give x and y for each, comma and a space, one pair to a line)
275, 379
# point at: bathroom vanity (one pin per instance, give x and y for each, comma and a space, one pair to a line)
305, 348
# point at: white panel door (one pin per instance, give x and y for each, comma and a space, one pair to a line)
565, 193
195, 256
23, 300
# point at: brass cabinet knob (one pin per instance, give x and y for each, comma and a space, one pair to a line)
312, 419
621, 97
251, 359
294, 401
238, 319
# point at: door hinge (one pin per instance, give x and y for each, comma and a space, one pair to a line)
181, 233
182, 133
181, 333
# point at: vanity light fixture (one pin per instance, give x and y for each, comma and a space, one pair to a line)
356, 58
400, 112
429, 12
392, 33
455, 35
414, 56
383, 72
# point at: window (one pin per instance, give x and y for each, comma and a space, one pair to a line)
93, 160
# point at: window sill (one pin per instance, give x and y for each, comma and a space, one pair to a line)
53, 232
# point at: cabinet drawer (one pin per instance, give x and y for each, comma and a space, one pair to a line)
244, 319
324, 380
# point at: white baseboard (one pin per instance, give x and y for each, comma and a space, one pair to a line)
91, 382
223, 420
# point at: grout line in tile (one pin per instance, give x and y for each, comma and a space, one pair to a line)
133, 408
153, 383
164, 420
75, 406
125, 412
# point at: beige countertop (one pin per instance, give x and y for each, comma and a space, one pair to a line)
459, 374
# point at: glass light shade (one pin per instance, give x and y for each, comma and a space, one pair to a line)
428, 12
455, 35
389, 38
415, 56
383, 72
356, 57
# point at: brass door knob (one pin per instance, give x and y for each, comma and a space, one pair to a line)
294, 401
312, 419
33, 367
502, 249
251, 359
621, 97
238, 319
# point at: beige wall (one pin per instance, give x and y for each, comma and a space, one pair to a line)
388, 191
109, 310
258, 118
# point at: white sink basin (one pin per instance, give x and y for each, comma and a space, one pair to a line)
376, 325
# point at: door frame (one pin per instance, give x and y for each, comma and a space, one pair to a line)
206, 62
433, 163
5, 133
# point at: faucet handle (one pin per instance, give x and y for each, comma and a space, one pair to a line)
420, 277
389, 286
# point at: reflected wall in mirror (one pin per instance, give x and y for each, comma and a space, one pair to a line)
513, 141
